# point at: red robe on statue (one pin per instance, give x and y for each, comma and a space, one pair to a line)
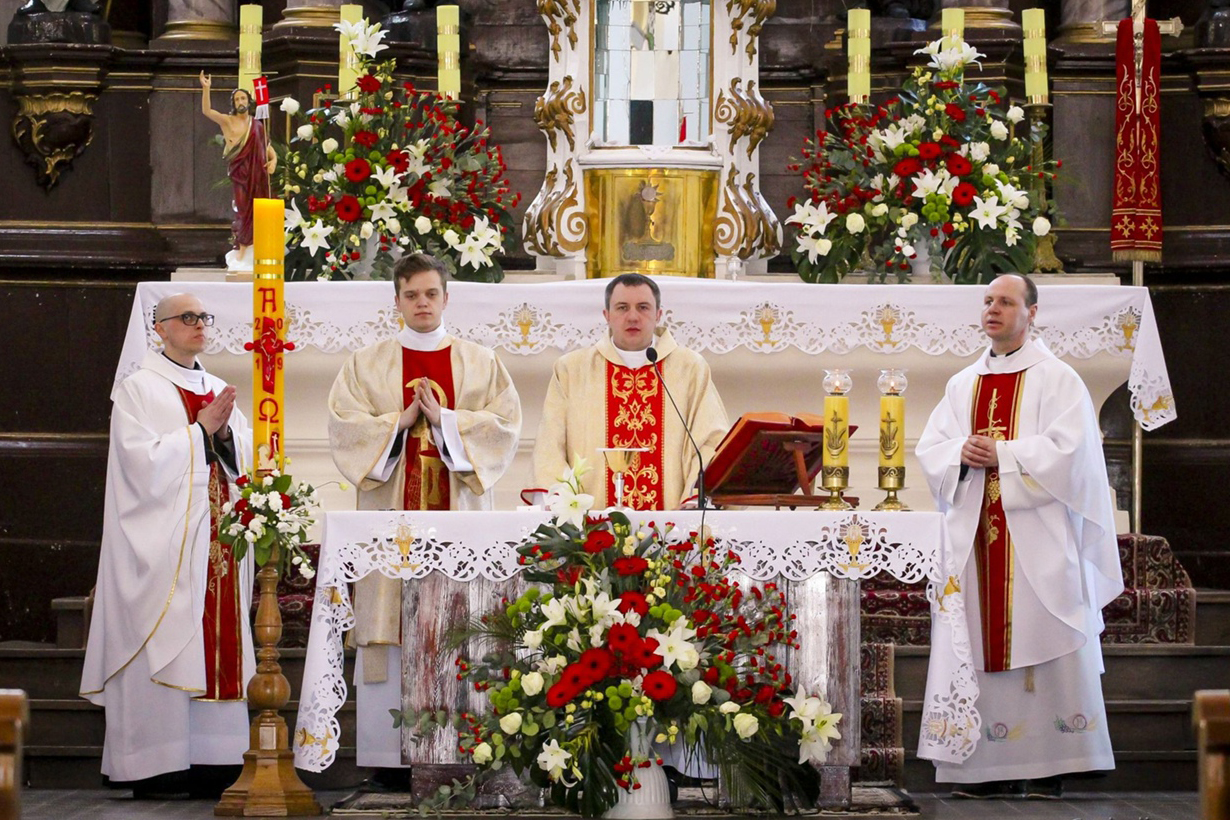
249, 179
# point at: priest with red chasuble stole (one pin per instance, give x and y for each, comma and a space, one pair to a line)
170, 647
422, 421
608, 395
1013, 455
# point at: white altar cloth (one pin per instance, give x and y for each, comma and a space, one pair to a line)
910, 546
1077, 321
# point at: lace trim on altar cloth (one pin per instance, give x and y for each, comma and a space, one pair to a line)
1076, 321
794, 546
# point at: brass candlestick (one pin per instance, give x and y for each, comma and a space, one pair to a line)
619, 459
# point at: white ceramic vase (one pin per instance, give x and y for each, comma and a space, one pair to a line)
652, 801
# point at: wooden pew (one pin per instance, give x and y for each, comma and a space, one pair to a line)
1211, 720
14, 718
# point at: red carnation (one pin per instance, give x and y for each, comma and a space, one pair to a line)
964, 194
712, 676
368, 83
945, 85
955, 111
630, 565
246, 518
559, 694
634, 601
358, 169
285, 501
959, 166
596, 664
776, 708
622, 638
348, 208
241, 505
907, 167
569, 575
366, 138
242, 481
598, 540
765, 694
659, 685
929, 150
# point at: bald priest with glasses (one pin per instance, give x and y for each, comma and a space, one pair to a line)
170, 648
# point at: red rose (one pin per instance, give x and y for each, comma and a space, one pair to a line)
348, 209
598, 540
630, 565
622, 638
959, 166
964, 194
368, 83
366, 138
634, 601
596, 664
659, 685
929, 150
358, 169
559, 694
955, 111
906, 167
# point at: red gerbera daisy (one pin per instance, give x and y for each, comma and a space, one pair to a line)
635, 602
399, 160
559, 694
596, 664
598, 540
646, 655
366, 138
929, 150
348, 209
622, 638
659, 685
630, 565
358, 169
959, 166
964, 194
907, 167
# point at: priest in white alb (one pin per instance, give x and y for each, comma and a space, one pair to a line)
1013, 456
422, 421
170, 646
608, 395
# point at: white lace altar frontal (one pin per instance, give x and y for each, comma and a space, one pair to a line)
1077, 321
909, 546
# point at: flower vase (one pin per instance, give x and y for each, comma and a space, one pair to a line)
652, 801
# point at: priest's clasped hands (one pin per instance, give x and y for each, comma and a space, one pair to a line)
425, 402
214, 416
979, 451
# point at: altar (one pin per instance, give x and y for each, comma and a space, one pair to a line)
819, 556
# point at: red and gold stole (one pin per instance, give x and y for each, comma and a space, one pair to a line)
997, 401
223, 602
1136, 210
634, 419
427, 482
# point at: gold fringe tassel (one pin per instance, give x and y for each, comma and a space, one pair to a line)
1136, 256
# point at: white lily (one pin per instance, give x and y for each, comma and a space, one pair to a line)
383, 210
675, 647
814, 246
552, 759
987, 212
315, 237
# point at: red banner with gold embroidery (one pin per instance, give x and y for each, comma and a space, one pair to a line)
1136, 211
997, 399
634, 419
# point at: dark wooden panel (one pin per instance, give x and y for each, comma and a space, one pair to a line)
53, 488
34, 572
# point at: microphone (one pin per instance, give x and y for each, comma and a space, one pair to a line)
652, 355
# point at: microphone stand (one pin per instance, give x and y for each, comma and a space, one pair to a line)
652, 355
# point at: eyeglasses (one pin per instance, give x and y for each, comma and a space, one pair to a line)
190, 319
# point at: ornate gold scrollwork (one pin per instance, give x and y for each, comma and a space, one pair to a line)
52, 130
740, 11
768, 227
555, 224
560, 15
556, 110
734, 231
748, 115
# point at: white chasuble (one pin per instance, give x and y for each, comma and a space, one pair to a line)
1046, 710
145, 659
578, 415
479, 443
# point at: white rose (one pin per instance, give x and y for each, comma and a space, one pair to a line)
855, 223
452, 238
304, 132
746, 725
701, 692
1042, 226
290, 105
879, 210
978, 151
422, 224
531, 683
482, 753
990, 169
393, 227
909, 220
728, 707
1015, 114
533, 638
510, 724
999, 131
329, 145
366, 231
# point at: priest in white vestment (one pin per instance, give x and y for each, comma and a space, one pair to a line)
1013, 456
609, 395
423, 421
170, 646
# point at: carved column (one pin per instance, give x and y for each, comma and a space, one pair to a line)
1080, 21
1210, 66
312, 14
980, 15
200, 24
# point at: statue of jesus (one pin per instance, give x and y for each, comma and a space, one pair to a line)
250, 162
